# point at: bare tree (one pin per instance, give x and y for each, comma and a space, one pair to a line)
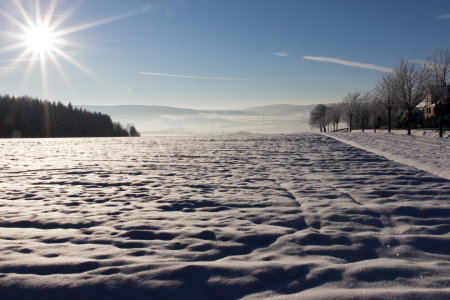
375, 107
132, 131
386, 92
336, 111
328, 118
438, 65
411, 82
314, 119
364, 108
318, 117
350, 106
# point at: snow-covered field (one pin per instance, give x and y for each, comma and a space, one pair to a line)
301, 216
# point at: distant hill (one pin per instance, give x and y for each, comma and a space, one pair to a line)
280, 109
154, 117
138, 112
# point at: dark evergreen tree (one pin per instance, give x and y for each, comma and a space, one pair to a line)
32, 117
119, 130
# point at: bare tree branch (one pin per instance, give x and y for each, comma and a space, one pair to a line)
350, 106
411, 82
318, 117
438, 65
386, 93
364, 107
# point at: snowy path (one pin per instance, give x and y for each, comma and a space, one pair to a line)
425, 153
222, 217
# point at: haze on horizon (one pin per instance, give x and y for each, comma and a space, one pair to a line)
210, 54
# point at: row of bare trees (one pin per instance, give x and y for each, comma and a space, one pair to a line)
356, 108
404, 88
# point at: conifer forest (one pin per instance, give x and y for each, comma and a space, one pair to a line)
29, 117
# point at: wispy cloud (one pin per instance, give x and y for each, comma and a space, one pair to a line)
284, 54
446, 16
349, 63
418, 61
196, 77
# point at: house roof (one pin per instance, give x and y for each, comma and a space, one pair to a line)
422, 104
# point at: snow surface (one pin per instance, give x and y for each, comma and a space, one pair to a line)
260, 129
428, 154
301, 216
416, 132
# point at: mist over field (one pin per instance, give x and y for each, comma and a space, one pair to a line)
272, 119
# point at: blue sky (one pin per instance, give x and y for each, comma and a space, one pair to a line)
259, 52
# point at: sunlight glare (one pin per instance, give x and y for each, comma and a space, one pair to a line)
42, 36
40, 39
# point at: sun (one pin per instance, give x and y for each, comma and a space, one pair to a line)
40, 39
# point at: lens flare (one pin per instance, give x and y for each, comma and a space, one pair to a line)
16, 134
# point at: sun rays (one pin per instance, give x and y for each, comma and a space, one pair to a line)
40, 36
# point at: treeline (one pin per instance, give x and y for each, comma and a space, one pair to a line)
394, 100
31, 118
